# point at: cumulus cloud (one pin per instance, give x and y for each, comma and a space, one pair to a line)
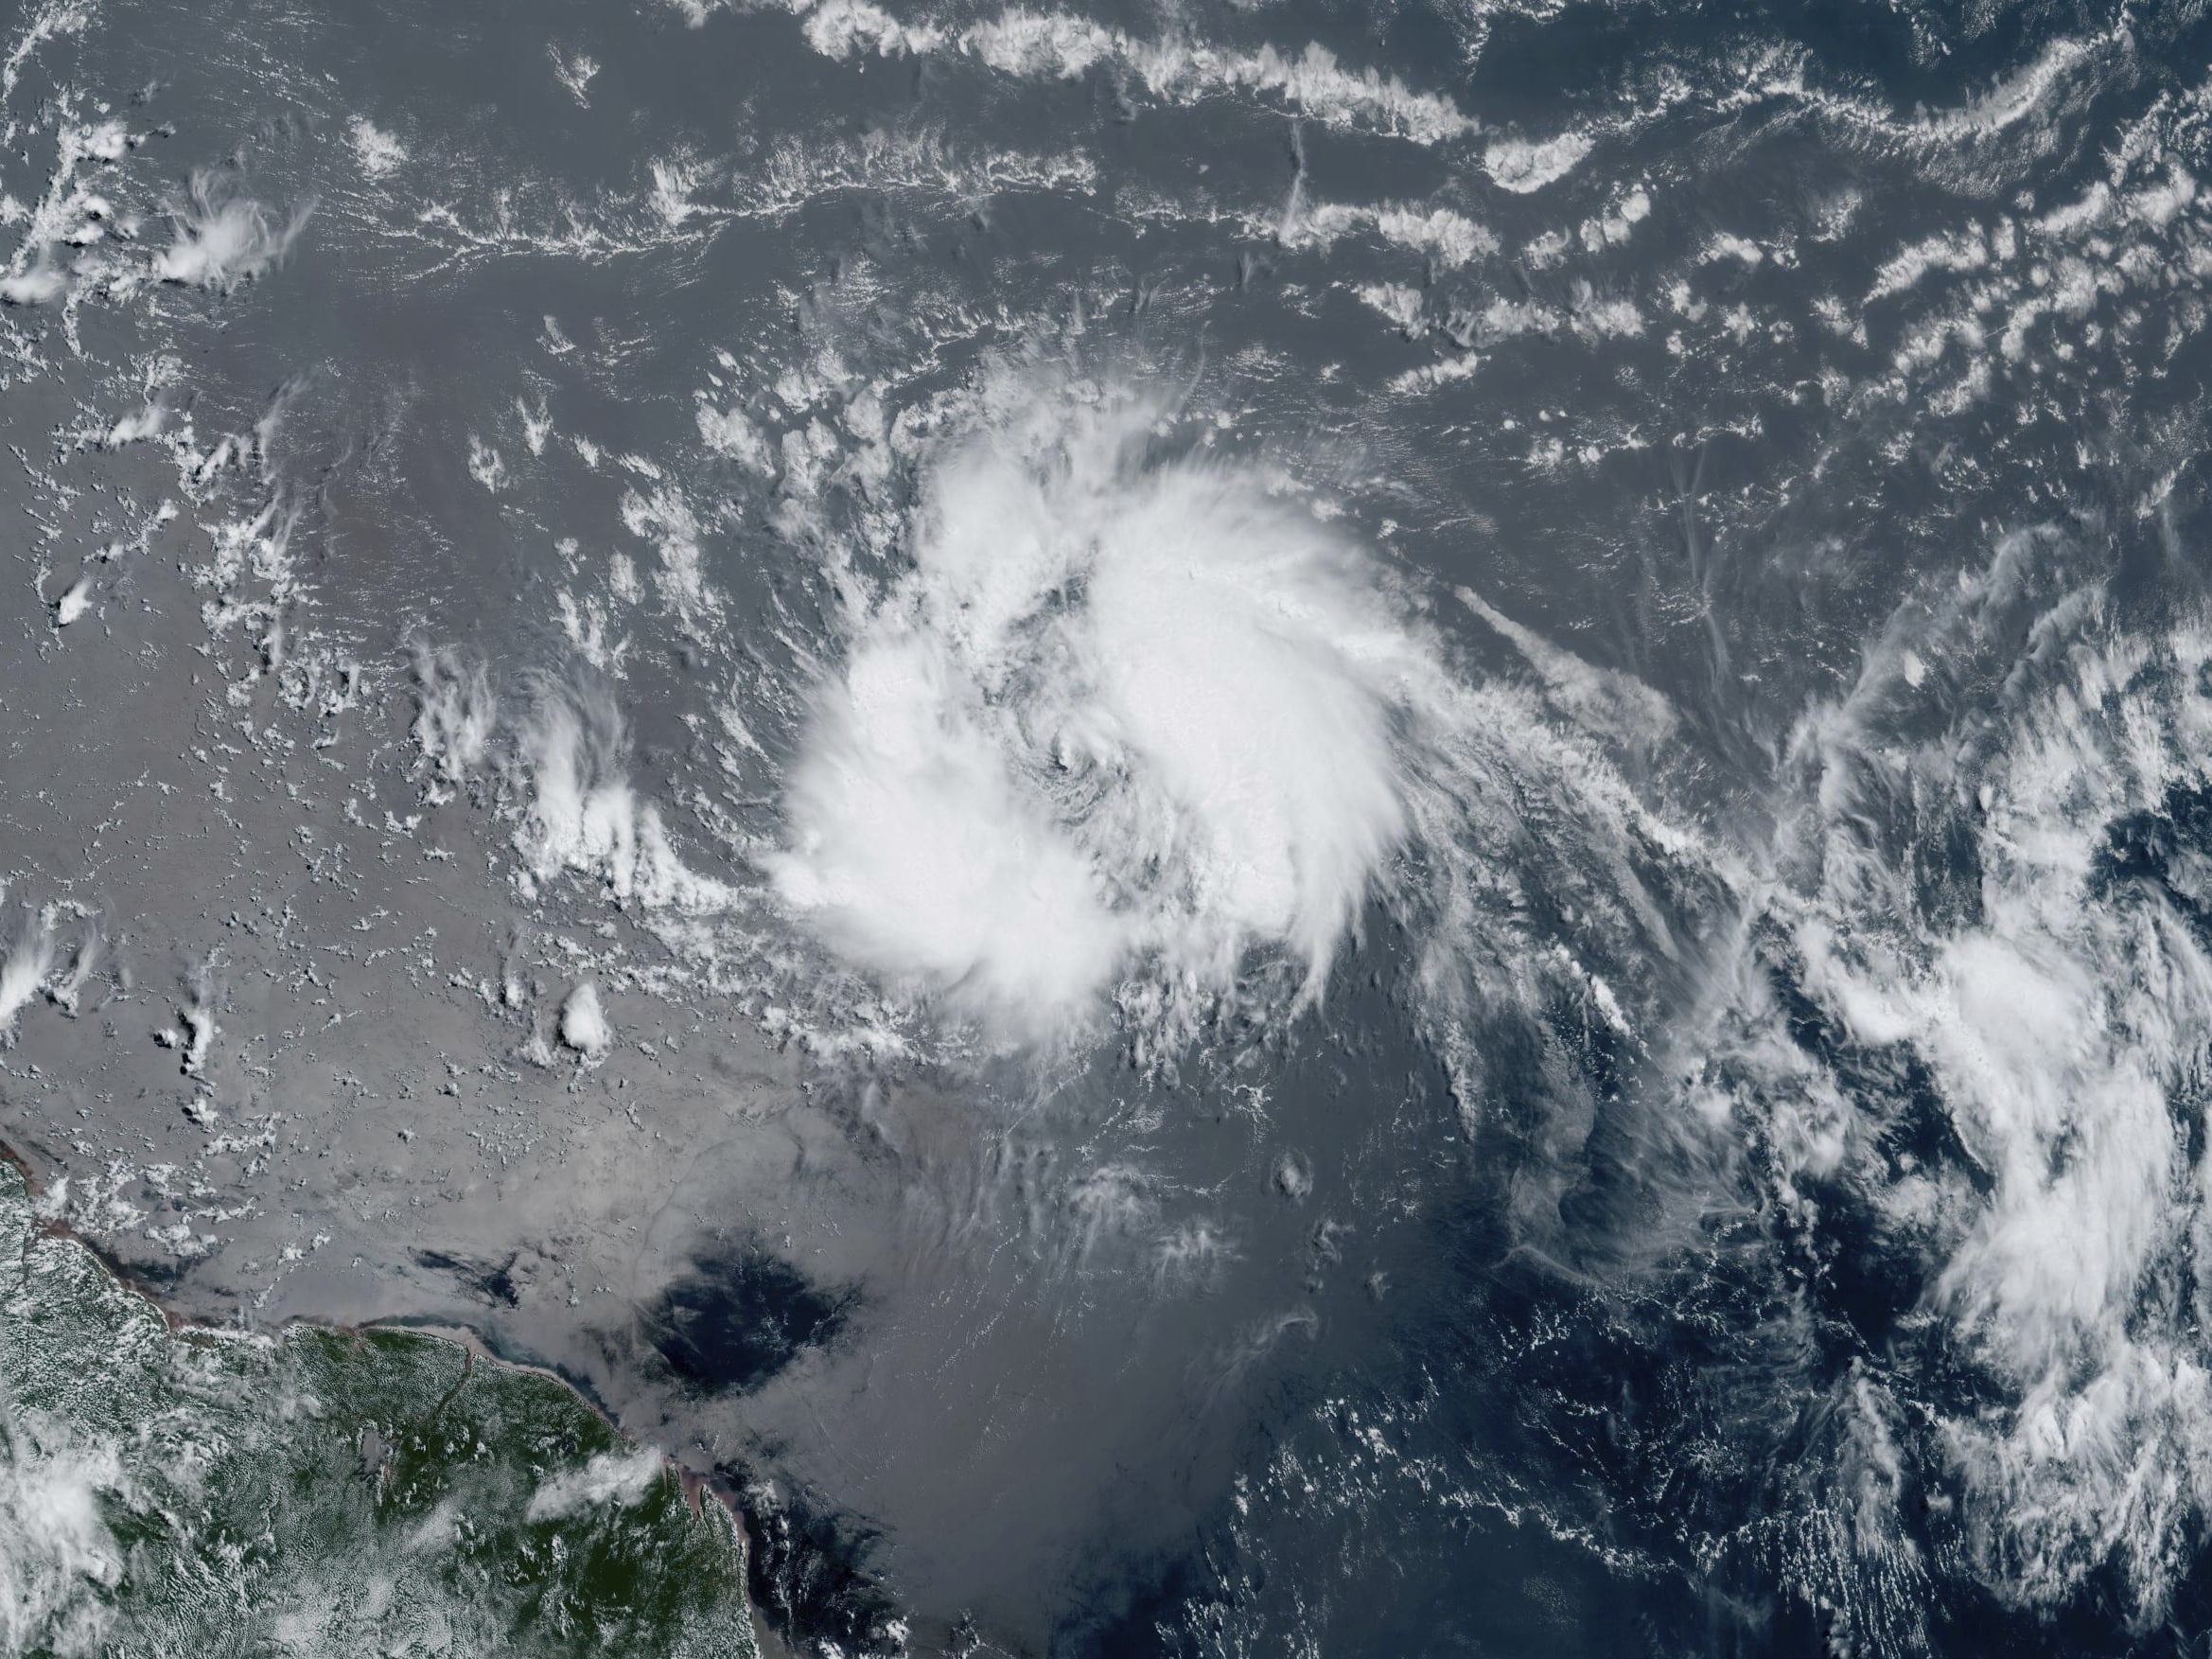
33, 285
626, 1479
223, 239
1524, 166
2059, 1021
554, 751
455, 711
379, 154
56, 1550
66, 990
1062, 46
584, 817
74, 603
1451, 240
197, 1016
24, 969
584, 1026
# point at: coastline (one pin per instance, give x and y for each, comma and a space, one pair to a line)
474, 1346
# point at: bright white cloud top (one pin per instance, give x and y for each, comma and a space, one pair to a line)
1123, 706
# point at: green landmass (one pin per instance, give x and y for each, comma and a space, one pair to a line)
199, 1492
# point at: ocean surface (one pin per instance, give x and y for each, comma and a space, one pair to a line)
1225, 829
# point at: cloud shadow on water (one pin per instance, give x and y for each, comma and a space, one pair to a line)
739, 1317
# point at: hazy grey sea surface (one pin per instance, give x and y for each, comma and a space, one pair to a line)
1216, 829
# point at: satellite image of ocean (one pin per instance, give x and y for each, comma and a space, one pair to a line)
1221, 829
